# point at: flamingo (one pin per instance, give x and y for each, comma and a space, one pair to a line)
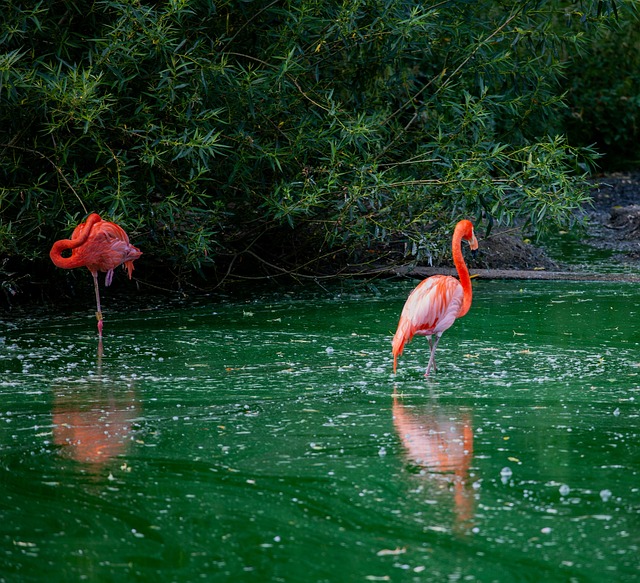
99, 246
433, 306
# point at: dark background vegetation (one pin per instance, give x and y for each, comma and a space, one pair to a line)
247, 139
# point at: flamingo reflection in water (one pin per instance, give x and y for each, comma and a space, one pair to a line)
92, 421
440, 443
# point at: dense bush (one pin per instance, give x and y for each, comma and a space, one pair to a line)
603, 94
223, 135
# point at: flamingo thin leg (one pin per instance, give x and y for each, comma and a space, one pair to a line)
435, 368
432, 358
98, 308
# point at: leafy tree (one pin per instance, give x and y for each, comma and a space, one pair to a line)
225, 135
603, 94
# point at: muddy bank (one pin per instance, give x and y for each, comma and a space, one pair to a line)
422, 272
614, 219
613, 224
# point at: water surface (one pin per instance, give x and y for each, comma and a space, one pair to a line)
263, 437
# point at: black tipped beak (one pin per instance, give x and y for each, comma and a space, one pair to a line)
474, 253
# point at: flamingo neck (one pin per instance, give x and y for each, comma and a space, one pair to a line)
74, 260
463, 272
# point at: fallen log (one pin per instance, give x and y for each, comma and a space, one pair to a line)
540, 274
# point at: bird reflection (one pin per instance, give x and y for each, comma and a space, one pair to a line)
440, 443
93, 418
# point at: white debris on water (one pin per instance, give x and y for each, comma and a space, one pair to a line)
605, 495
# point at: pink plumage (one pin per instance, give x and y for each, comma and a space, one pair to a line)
433, 306
99, 246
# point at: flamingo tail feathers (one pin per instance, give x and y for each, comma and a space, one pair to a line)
403, 334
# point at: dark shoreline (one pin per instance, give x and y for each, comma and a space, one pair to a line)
528, 274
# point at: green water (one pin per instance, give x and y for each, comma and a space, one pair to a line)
571, 252
265, 439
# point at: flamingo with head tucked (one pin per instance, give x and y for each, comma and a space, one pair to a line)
99, 246
433, 306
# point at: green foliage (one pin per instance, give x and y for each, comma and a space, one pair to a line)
209, 130
603, 94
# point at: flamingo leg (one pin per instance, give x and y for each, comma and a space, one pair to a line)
435, 368
98, 308
432, 358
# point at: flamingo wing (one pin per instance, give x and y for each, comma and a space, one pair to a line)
433, 305
108, 246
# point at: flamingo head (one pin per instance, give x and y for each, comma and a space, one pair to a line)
467, 234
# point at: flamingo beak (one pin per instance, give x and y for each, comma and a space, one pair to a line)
473, 244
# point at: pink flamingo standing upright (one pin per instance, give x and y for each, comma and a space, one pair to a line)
433, 306
99, 246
